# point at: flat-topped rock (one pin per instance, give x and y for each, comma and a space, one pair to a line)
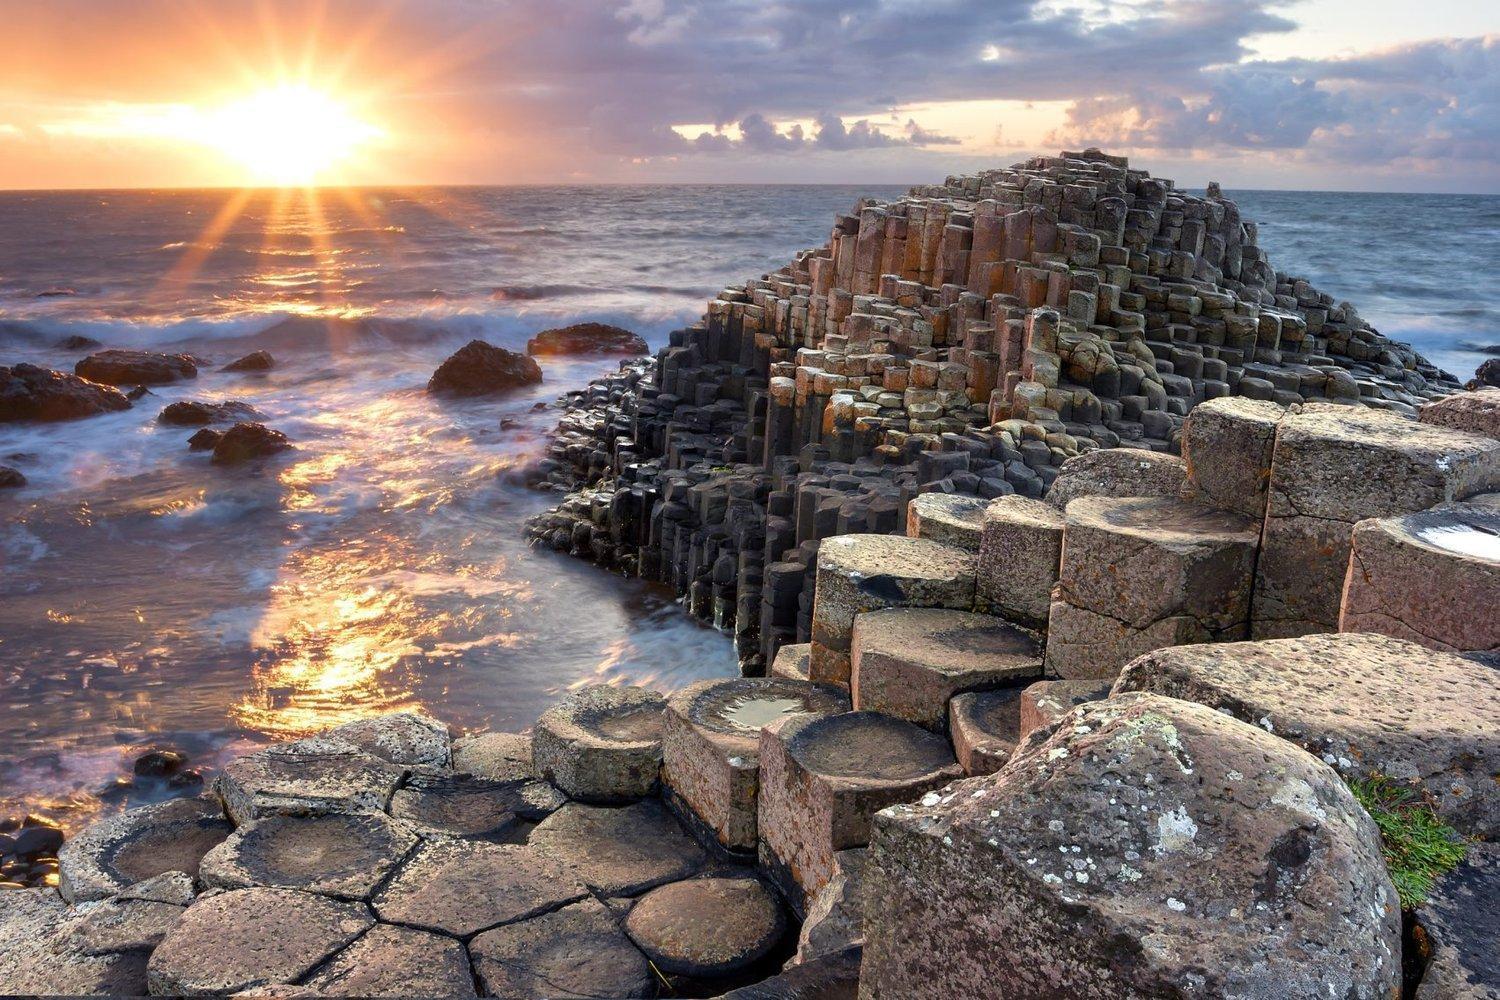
120, 367
1117, 472
1045, 702
37, 958
318, 774
116, 853
985, 727
823, 777
460, 805
602, 744
711, 747
334, 854
586, 338
119, 924
397, 962
1227, 444
707, 927
1069, 874
461, 887
1458, 930
792, 661
495, 756
1334, 466
1020, 553
619, 851
908, 662
1432, 577
1475, 412
575, 952
949, 518
244, 938
1365, 704
407, 738
858, 573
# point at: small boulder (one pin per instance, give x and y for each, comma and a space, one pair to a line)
586, 338
192, 413
258, 361
478, 369
116, 367
28, 392
11, 478
245, 441
78, 342
205, 440
1487, 375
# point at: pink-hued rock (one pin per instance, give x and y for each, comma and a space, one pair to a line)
1476, 412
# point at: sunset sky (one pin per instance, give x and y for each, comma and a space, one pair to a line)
1336, 94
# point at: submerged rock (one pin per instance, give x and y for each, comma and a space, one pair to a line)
11, 478
257, 361
586, 338
246, 441
28, 392
478, 369
192, 412
78, 342
205, 440
117, 367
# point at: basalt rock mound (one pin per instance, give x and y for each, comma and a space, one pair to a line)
480, 369
246, 441
195, 413
117, 367
256, 361
28, 392
586, 338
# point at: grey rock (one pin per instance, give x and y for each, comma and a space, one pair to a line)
496, 756
318, 774
1458, 930
397, 962
619, 851
134, 846
574, 952
601, 744
333, 854
406, 738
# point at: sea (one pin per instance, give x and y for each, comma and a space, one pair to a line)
149, 599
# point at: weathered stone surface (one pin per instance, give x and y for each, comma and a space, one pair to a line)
244, 938
407, 738
123, 850
318, 774
461, 887
586, 338
711, 746
575, 952
949, 518
37, 958
1432, 577
334, 854
1458, 930
246, 441
119, 924
792, 661
1334, 466
1020, 555
829, 977
496, 756
1476, 412
859, 573
1365, 704
28, 392
619, 851
1045, 702
823, 777
195, 413
1117, 472
835, 919
1068, 874
1227, 445
397, 962
601, 744
478, 369
707, 926
117, 367
985, 727
460, 805
908, 662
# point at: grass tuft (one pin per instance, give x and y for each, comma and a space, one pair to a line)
1418, 847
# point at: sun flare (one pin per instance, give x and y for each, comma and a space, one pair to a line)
291, 134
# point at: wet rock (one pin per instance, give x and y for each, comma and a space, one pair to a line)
619, 851
1118, 472
78, 342
478, 369
122, 851
31, 393
823, 777
1457, 930
244, 938
408, 738
11, 478
205, 440
36, 841
138, 393
586, 338
1068, 874
397, 962
708, 926
602, 744
332, 854
835, 920
711, 747
460, 805
575, 952
908, 662
255, 361
1227, 444
246, 441
1045, 702
117, 367
985, 727
316, 775
1020, 553
1364, 704
159, 763
496, 756
37, 958
461, 887
194, 413
949, 518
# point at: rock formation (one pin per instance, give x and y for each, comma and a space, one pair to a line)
586, 338
479, 369
117, 367
31, 393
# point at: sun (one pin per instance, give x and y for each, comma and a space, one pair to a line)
291, 134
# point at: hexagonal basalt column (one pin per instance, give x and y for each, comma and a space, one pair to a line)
868, 572
397, 961
908, 662
822, 778
1020, 554
460, 805
792, 661
711, 747
1334, 466
985, 728
1045, 702
1432, 578
333, 854
319, 774
577, 951
707, 927
1227, 444
407, 738
949, 518
1140, 573
116, 853
619, 851
601, 744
